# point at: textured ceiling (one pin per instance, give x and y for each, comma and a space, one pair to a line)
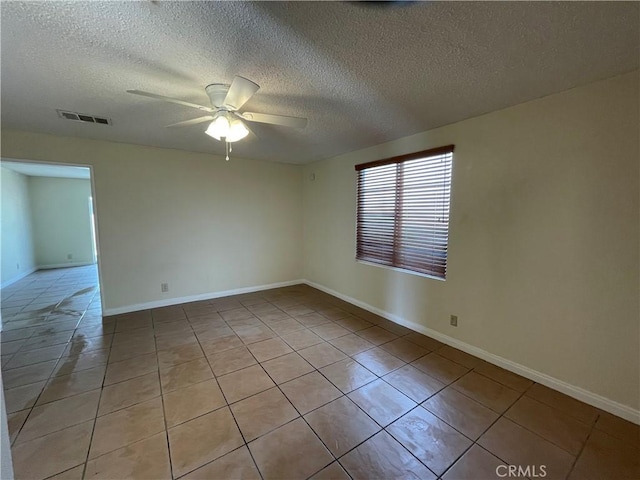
361, 75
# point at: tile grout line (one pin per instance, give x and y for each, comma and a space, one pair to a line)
523, 394
164, 415
278, 336
584, 445
35, 404
323, 375
301, 416
336, 459
276, 385
95, 420
475, 442
49, 378
245, 444
227, 405
420, 404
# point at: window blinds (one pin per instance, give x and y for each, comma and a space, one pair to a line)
403, 211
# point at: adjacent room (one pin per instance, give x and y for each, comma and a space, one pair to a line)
48, 239
47, 218
328, 240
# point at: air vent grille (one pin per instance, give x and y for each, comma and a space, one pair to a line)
81, 117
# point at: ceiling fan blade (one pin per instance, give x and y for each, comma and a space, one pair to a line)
283, 120
171, 100
240, 91
193, 121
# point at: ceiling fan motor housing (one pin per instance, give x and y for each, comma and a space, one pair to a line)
217, 93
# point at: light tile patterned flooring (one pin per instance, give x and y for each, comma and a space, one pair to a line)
281, 384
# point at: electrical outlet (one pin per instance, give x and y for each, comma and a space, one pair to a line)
164, 287
454, 320
17, 266
69, 256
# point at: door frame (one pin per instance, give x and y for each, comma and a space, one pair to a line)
94, 207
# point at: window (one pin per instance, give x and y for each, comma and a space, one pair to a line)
403, 211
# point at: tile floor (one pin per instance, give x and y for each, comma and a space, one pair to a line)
281, 384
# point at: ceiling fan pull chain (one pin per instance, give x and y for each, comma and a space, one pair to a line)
227, 144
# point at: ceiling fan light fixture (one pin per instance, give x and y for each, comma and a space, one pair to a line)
237, 131
227, 127
219, 127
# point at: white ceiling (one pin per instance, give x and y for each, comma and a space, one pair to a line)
361, 75
46, 170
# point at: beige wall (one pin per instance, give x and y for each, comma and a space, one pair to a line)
543, 259
61, 221
195, 221
16, 255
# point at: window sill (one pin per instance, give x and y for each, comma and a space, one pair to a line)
401, 270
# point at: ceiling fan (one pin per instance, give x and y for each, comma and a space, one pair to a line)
227, 123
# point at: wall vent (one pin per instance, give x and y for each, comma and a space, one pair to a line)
81, 117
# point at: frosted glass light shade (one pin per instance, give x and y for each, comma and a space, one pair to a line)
218, 128
237, 131
227, 127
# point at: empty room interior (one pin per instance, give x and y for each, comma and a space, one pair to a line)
328, 240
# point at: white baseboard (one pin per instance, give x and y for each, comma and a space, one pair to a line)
578, 393
63, 265
195, 298
20, 276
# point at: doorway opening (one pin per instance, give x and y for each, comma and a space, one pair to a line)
50, 261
